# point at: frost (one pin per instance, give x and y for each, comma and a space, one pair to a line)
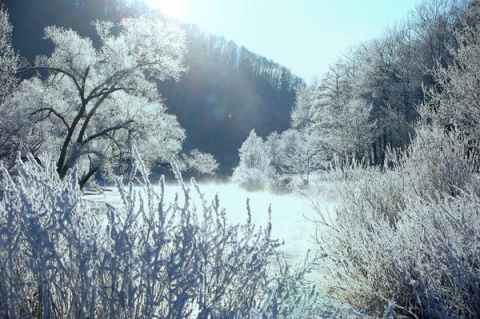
90, 105
142, 258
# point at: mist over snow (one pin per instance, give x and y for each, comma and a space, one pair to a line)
292, 213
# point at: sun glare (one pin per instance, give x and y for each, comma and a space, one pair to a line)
171, 8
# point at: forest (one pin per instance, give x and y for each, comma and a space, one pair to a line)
108, 95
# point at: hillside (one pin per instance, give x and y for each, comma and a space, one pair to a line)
228, 91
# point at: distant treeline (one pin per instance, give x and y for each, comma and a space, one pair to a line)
388, 74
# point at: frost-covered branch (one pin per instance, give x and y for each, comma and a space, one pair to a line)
140, 258
51, 110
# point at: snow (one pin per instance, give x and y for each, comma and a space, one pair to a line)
292, 213
288, 213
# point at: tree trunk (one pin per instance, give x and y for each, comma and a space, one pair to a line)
87, 177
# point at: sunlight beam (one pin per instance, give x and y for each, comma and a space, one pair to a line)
171, 8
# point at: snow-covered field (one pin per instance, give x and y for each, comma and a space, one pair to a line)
292, 214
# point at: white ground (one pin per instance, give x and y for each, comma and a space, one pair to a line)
292, 214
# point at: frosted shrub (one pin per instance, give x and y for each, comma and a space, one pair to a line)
407, 239
60, 259
436, 164
50, 245
255, 170
427, 266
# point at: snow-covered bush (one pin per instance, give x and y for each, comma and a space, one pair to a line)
408, 238
426, 266
50, 245
144, 258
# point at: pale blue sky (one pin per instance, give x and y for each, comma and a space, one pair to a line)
304, 35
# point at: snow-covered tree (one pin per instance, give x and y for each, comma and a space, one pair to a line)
255, 170
9, 63
282, 160
350, 131
200, 162
9, 59
295, 154
91, 103
334, 122
455, 101
304, 108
